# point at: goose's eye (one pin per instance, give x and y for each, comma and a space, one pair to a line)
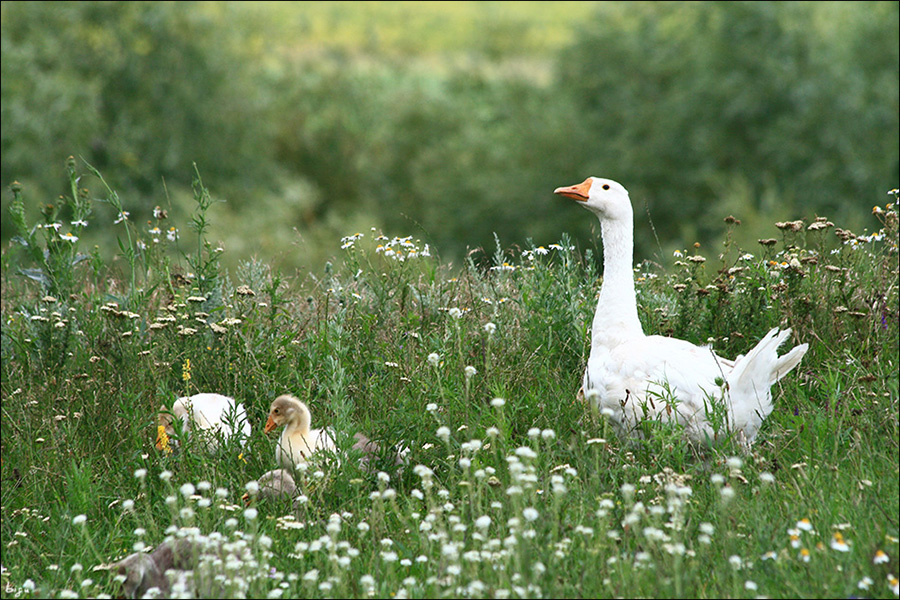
605, 186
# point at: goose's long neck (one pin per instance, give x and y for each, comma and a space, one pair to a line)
616, 319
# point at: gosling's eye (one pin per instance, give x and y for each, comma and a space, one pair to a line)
605, 186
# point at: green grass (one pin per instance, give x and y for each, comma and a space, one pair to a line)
513, 488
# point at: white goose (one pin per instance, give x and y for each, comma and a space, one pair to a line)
209, 413
297, 442
634, 377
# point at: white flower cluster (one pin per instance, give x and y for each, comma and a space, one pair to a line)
398, 248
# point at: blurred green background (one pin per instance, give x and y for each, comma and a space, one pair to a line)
452, 121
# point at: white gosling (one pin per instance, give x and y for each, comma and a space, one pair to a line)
632, 376
211, 414
298, 442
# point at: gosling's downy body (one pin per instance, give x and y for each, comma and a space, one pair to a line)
157, 570
277, 484
371, 451
179, 567
209, 414
297, 442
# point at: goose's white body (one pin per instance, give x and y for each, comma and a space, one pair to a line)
212, 414
634, 377
298, 442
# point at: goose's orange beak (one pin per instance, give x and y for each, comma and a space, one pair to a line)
270, 424
576, 192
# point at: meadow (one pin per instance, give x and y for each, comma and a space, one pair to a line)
511, 487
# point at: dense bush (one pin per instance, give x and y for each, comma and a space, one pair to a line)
150, 87
767, 110
719, 107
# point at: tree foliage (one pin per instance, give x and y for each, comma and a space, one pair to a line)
148, 88
700, 109
797, 102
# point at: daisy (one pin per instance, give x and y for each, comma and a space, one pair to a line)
838, 543
804, 524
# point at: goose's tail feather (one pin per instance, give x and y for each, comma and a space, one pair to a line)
754, 374
787, 362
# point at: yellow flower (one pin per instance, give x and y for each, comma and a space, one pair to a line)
186, 370
162, 440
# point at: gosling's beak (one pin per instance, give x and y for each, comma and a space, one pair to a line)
270, 424
576, 192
